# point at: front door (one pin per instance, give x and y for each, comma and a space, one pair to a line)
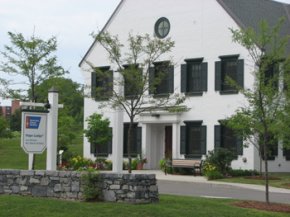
168, 142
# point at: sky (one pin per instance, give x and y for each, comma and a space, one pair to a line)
71, 21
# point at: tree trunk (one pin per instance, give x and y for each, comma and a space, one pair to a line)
266, 170
261, 162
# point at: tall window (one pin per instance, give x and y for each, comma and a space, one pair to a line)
230, 68
194, 76
133, 81
102, 150
136, 140
193, 139
272, 76
102, 83
286, 154
272, 146
226, 138
161, 79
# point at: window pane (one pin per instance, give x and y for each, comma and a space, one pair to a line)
229, 69
161, 78
194, 140
194, 82
228, 139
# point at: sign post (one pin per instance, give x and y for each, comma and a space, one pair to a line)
52, 130
39, 129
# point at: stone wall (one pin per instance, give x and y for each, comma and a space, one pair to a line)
131, 188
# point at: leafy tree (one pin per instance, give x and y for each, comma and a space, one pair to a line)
31, 58
71, 95
15, 121
260, 121
4, 130
133, 64
98, 131
70, 119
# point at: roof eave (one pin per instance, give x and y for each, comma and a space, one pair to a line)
105, 26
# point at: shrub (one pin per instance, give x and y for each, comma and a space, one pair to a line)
221, 159
91, 189
165, 166
80, 163
240, 172
103, 164
134, 164
214, 174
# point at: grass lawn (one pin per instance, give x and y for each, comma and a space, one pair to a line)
174, 206
12, 155
282, 183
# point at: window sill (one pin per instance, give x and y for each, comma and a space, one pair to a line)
228, 92
161, 95
194, 93
192, 156
101, 100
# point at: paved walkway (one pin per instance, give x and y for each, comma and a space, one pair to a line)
200, 179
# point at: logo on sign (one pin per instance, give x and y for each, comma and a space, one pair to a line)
32, 122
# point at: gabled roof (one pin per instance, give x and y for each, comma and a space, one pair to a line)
246, 13
107, 23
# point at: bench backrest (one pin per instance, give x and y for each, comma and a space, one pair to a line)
188, 163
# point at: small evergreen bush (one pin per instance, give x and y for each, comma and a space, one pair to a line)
91, 189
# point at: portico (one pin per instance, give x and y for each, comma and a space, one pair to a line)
160, 136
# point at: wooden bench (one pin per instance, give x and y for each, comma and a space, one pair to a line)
195, 164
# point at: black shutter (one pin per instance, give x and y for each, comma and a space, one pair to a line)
93, 149
240, 75
217, 136
151, 80
182, 139
93, 85
239, 144
170, 79
204, 76
110, 142
110, 84
203, 139
218, 76
139, 140
183, 78
125, 139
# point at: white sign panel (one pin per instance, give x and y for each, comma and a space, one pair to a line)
33, 136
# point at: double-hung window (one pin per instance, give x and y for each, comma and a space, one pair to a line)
161, 79
102, 83
229, 73
102, 150
226, 138
272, 147
193, 139
194, 77
133, 81
136, 140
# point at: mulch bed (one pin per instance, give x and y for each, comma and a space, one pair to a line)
273, 207
262, 177
287, 185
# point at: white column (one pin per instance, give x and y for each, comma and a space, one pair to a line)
117, 151
145, 145
118, 128
52, 130
175, 140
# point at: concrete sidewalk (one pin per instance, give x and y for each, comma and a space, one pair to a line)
201, 179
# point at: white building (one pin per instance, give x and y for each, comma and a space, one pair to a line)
204, 50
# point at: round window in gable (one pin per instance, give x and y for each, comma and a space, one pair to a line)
162, 27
